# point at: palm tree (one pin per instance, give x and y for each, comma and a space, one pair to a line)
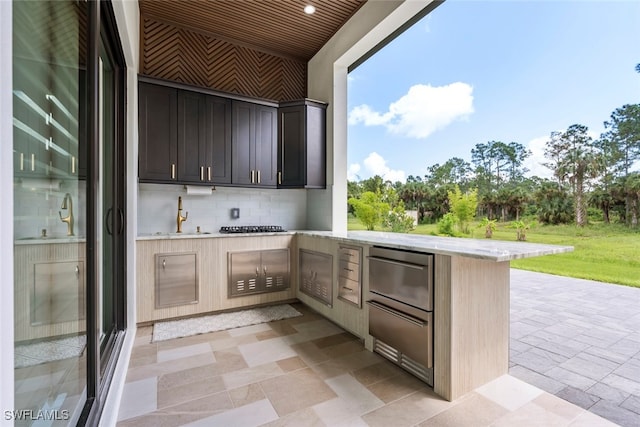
577, 162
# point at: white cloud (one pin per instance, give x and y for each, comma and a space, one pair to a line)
422, 111
352, 172
534, 162
377, 165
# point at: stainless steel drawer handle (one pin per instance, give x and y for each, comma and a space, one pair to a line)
164, 263
349, 289
400, 263
397, 314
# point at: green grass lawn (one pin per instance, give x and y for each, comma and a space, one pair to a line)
606, 253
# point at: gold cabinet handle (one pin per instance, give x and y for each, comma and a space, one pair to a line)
209, 173
73, 164
33, 162
258, 177
173, 171
279, 177
253, 176
21, 161
201, 173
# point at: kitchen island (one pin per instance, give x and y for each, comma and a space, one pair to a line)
470, 300
470, 309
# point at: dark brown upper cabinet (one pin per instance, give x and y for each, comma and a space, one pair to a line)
302, 144
158, 133
254, 136
185, 136
204, 138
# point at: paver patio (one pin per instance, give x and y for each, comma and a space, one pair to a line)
580, 340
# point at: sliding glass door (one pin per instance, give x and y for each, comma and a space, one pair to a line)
69, 193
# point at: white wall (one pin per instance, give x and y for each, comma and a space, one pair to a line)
6, 215
327, 81
158, 208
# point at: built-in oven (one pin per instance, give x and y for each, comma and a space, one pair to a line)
401, 308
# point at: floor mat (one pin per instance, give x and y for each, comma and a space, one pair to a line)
219, 322
48, 351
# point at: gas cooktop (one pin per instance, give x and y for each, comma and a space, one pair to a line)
251, 229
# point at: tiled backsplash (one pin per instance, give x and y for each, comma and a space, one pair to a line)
37, 206
158, 207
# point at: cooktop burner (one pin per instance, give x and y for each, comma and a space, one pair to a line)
251, 229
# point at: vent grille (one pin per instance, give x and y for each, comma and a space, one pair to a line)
410, 365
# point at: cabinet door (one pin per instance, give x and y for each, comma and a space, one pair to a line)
315, 148
191, 137
58, 292
158, 137
218, 140
291, 158
243, 137
275, 269
266, 141
302, 145
31, 118
244, 273
316, 275
176, 279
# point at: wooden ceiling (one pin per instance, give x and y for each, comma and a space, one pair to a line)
278, 27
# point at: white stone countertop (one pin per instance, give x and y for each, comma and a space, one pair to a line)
48, 240
493, 250
205, 235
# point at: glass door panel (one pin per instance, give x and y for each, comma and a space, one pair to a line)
49, 62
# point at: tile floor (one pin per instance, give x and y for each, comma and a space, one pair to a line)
306, 371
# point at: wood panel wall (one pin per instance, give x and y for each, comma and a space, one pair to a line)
471, 335
188, 56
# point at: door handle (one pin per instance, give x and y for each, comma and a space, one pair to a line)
107, 221
209, 173
173, 171
252, 176
279, 177
121, 214
164, 263
201, 173
258, 177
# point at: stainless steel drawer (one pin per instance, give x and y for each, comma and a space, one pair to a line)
349, 290
410, 335
403, 276
349, 254
349, 270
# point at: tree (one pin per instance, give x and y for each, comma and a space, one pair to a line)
577, 161
463, 206
369, 209
554, 204
623, 136
453, 171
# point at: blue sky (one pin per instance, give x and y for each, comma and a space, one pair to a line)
475, 71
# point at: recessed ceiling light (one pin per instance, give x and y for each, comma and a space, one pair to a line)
309, 9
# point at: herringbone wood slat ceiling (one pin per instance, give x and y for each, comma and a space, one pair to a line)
277, 27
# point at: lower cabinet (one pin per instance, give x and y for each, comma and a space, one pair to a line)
316, 273
176, 279
254, 272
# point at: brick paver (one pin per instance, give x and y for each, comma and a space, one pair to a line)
580, 340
